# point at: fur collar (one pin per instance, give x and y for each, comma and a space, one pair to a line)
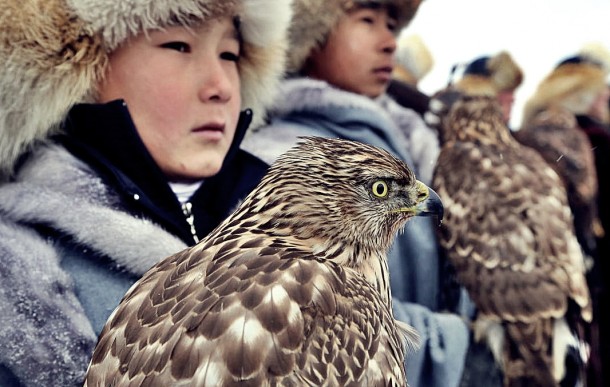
57, 190
308, 94
312, 95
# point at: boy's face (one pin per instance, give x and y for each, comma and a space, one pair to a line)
182, 88
359, 53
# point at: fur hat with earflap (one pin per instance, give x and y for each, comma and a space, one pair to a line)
314, 19
573, 84
55, 52
413, 59
489, 75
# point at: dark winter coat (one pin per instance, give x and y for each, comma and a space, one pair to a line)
87, 213
409, 96
599, 277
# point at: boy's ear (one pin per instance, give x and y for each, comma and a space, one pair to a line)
307, 67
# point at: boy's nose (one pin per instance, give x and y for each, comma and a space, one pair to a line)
389, 43
216, 84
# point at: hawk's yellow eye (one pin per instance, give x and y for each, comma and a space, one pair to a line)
380, 189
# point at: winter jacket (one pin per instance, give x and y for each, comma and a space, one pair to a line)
307, 107
87, 213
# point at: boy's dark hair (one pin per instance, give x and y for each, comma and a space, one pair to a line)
391, 8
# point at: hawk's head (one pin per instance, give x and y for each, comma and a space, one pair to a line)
340, 192
476, 118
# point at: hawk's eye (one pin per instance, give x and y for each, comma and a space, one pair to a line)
380, 189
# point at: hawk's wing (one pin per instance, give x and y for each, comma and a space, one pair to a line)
508, 231
231, 311
567, 149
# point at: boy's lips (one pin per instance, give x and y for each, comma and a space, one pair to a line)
211, 126
211, 130
384, 72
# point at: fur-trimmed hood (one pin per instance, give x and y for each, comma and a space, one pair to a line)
54, 53
573, 85
314, 19
490, 75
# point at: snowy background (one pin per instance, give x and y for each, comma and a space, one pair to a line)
537, 33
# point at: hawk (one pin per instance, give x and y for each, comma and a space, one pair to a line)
554, 133
439, 106
292, 289
509, 235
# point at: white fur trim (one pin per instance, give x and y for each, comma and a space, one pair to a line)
414, 56
597, 52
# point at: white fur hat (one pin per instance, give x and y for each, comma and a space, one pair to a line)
53, 54
413, 59
314, 19
596, 53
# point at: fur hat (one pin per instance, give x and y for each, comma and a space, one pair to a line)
413, 59
54, 53
314, 19
573, 84
489, 75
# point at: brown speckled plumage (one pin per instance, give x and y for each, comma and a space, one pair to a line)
508, 233
292, 289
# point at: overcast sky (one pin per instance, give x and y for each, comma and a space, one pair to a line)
537, 33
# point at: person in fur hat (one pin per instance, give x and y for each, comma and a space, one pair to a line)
498, 75
578, 83
578, 86
340, 61
413, 61
120, 125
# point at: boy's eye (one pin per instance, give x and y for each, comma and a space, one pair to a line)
230, 56
368, 20
392, 25
178, 46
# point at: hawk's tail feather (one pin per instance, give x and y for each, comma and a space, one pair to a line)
411, 337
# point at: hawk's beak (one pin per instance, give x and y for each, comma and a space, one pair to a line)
428, 202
